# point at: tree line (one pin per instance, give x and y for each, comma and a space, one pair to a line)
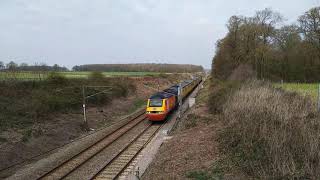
177, 68
12, 66
274, 51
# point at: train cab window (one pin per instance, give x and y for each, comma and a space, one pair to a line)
155, 103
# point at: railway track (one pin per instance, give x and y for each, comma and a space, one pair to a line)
114, 168
69, 166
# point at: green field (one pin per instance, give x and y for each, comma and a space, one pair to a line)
41, 75
108, 74
302, 88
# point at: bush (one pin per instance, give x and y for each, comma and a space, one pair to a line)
57, 79
220, 91
214, 173
96, 76
121, 87
272, 133
163, 75
191, 121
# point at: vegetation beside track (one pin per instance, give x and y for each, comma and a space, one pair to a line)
250, 129
269, 132
267, 128
54, 116
22, 103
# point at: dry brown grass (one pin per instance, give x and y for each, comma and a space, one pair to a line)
219, 93
271, 133
193, 148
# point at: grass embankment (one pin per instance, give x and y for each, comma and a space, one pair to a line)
22, 103
268, 133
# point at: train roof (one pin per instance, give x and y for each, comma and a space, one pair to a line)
185, 83
172, 90
161, 95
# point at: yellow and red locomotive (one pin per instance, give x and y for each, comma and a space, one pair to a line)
159, 105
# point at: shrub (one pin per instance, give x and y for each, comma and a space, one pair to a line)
122, 86
272, 133
56, 79
27, 134
220, 91
163, 75
215, 172
191, 121
96, 76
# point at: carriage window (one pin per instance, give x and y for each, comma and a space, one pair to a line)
155, 103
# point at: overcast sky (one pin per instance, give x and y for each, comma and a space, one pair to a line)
71, 32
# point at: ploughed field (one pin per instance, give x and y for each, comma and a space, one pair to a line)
305, 89
37, 75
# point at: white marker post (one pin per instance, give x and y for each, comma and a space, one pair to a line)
84, 101
85, 123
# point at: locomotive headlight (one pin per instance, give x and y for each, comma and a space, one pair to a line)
148, 112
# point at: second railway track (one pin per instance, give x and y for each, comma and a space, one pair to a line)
114, 168
69, 167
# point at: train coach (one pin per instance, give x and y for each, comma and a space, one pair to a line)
159, 105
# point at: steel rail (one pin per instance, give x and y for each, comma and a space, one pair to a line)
126, 148
47, 174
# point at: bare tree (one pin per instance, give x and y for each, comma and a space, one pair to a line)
12, 65
310, 26
2, 66
56, 67
267, 20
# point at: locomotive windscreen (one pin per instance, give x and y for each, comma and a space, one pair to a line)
155, 103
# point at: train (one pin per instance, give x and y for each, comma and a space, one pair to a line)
160, 104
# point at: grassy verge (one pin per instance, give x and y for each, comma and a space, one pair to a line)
271, 133
220, 91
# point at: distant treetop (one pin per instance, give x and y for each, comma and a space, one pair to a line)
178, 68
